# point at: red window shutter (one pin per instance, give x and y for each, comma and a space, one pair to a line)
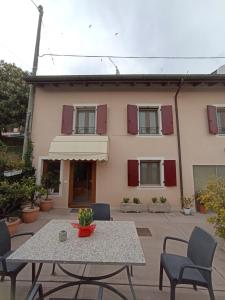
170, 178
67, 119
212, 119
132, 121
101, 119
132, 172
167, 119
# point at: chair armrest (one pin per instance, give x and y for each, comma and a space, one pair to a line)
4, 267
21, 234
201, 268
174, 239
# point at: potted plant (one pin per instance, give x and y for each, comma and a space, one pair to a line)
31, 193
10, 201
200, 204
85, 226
187, 205
134, 206
49, 182
158, 206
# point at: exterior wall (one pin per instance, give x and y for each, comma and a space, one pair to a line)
111, 179
197, 145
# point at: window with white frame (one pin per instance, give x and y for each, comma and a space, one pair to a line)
148, 120
150, 172
220, 111
85, 120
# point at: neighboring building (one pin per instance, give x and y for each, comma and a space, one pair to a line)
114, 136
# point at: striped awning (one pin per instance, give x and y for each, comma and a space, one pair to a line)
79, 148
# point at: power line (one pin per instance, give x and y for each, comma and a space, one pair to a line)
34, 3
132, 57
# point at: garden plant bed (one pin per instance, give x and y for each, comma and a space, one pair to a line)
132, 207
159, 207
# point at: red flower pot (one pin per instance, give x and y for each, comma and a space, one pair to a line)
84, 231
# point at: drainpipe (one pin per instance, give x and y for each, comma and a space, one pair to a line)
178, 141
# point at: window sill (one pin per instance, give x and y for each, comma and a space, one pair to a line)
150, 135
151, 186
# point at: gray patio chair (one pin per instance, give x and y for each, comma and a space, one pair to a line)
195, 268
101, 211
8, 268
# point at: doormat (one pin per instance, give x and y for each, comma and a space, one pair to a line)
143, 231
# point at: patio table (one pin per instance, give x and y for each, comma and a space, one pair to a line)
112, 243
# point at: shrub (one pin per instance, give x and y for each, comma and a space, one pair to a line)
31, 191
49, 182
162, 199
11, 198
126, 200
136, 200
154, 199
213, 197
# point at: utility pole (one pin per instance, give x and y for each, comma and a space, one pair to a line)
29, 115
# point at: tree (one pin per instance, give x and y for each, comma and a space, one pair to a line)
14, 94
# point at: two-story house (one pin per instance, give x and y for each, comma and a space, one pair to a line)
112, 136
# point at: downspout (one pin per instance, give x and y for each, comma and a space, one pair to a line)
178, 141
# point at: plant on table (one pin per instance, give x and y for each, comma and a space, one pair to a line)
85, 216
213, 197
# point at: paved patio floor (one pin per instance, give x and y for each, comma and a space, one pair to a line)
145, 278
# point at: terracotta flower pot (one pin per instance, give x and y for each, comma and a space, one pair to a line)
202, 209
30, 215
46, 204
13, 224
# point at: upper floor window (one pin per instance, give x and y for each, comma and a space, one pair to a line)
221, 120
85, 120
148, 120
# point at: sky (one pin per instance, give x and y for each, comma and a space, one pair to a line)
114, 27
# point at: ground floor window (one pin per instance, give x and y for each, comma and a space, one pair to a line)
202, 174
150, 172
52, 167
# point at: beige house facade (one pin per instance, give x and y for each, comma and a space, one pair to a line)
109, 137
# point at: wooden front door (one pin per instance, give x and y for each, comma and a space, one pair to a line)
82, 183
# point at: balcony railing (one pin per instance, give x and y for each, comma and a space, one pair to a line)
148, 130
85, 130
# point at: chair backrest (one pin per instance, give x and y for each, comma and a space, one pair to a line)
5, 241
201, 248
101, 211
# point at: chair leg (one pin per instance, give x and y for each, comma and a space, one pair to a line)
195, 287
161, 277
211, 293
13, 288
131, 271
172, 291
53, 269
2, 278
33, 272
